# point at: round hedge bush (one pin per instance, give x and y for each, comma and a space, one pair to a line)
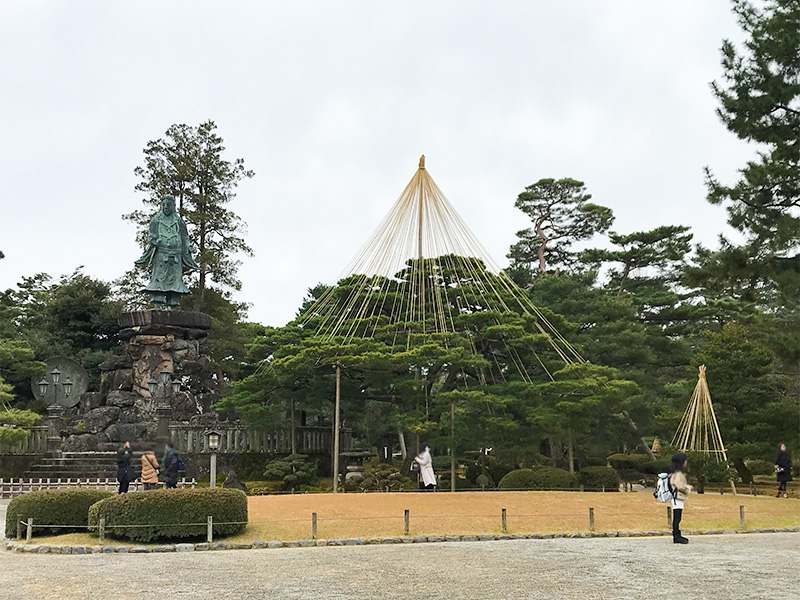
171, 514
540, 478
599, 478
68, 507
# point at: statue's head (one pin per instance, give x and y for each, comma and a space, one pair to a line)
168, 204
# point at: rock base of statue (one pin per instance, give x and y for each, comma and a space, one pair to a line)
154, 341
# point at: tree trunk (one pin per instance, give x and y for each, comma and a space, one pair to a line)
557, 453
570, 452
542, 246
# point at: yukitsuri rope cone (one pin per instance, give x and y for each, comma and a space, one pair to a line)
699, 431
418, 272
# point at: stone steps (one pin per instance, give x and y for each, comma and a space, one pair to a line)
81, 465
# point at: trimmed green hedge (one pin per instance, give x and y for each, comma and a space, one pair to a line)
631, 462
540, 478
599, 478
171, 514
53, 507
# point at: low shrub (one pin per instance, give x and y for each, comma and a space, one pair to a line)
68, 507
171, 514
294, 470
654, 467
540, 478
259, 488
760, 467
383, 476
630, 462
599, 478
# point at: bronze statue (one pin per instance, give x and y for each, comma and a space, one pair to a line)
169, 251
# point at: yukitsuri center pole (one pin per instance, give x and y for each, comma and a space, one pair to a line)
338, 368
452, 447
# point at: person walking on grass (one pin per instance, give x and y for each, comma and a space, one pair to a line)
170, 466
149, 470
125, 472
783, 470
681, 487
426, 474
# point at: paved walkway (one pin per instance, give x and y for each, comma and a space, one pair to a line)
756, 566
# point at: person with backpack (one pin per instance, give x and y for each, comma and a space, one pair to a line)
171, 464
783, 470
680, 489
149, 470
125, 472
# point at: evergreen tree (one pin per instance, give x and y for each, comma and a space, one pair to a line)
561, 215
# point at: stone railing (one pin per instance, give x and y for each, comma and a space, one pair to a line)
242, 438
35, 443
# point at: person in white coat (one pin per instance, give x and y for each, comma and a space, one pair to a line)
426, 474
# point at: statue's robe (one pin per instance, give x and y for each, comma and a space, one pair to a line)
168, 252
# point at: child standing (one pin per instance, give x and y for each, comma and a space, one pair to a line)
678, 482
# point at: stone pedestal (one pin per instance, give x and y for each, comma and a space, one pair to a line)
54, 417
124, 410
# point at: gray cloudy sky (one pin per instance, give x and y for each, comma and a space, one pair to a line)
331, 103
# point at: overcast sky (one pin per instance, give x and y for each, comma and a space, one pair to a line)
331, 103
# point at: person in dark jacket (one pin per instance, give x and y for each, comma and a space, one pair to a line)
125, 472
783, 470
169, 466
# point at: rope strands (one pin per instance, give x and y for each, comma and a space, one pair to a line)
424, 273
698, 430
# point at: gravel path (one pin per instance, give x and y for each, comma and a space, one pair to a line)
741, 566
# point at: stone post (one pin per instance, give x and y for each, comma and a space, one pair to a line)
164, 412
54, 415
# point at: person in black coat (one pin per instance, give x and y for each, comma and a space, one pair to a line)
783, 470
170, 466
125, 472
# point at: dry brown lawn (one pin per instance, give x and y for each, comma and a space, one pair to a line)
288, 517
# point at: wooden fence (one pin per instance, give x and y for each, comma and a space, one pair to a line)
240, 438
9, 488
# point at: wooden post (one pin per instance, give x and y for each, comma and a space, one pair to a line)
29, 532
210, 529
313, 525
505, 521
741, 516
19, 529
406, 520
102, 529
591, 518
669, 516
336, 428
452, 447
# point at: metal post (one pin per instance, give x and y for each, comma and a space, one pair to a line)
102, 529
210, 529
591, 518
336, 428
452, 447
29, 532
406, 520
741, 516
213, 483
669, 516
505, 521
313, 525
